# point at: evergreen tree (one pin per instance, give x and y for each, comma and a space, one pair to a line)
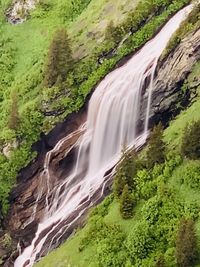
186, 244
126, 203
14, 114
126, 171
114, 33
156, 148
59, 59
190, 146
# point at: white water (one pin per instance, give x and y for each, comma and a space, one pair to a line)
111, 124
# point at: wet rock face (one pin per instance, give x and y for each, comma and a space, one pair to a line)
23, 197
172, 73
19, 10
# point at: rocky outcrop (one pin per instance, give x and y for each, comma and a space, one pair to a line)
172, 73
19, 10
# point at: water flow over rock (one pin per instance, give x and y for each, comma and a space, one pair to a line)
113, 116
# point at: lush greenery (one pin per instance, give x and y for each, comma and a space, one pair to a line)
48, 65
27, 105
163, 224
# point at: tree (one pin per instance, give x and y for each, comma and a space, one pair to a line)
14, 113
126, 171
114, 33
59, 59
156, 148
190, 146
126, 204
186, 244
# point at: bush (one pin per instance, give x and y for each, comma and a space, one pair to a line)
140, 241
190, 174
190, 146
110, 249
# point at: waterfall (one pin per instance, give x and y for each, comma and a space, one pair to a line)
113, 114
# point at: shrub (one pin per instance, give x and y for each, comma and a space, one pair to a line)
110, 249
140, 241
190, 146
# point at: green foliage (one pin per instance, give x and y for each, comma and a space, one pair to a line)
110, 249
126, 171
156, 147
103, 208
69, 10
191, 23
14, 112
190, 174
126, 203
140, 241
190, 146
114, 33
7, 63
59, 59
186, 244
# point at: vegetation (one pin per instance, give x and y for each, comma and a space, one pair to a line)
163, 230
14, 113
126, 203
156, 147
59, 59
125, 172
186, 244
190, 146
190, 24
42, 79
80, 62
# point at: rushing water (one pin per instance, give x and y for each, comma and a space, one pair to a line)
112, 119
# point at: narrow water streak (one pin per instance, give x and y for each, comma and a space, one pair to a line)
111, 123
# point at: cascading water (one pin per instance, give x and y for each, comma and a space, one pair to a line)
113, 115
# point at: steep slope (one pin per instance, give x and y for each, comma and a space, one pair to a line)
89, 248
39, 112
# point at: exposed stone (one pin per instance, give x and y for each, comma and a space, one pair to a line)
8, 148
172, 73
19, 10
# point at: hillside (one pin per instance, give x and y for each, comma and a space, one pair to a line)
168, 192
53, 57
